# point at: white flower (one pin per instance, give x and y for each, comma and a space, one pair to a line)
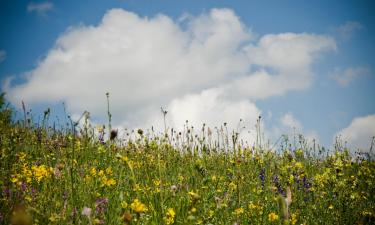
86, 211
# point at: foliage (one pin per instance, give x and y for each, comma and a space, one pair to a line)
62, 176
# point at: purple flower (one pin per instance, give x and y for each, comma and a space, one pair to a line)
101, 201
7, 192
23, 187
262, 176
101, 205
276, 182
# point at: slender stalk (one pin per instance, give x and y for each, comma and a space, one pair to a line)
109, 115
72, 178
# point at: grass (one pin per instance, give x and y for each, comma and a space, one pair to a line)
74, 176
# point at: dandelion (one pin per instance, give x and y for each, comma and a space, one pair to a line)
273, 217
170, 215
138, 206
173, 188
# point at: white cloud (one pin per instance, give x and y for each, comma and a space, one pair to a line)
285, 61
40, 8
359, 133
3, 55
290, 122
345, 77
289, 125
210, 63
347, 30
212, 108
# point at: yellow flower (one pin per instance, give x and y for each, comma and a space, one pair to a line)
232, 186
21, 156
109, 171
93, 171
138, 206
28, 198
194, 196
124, 204
252, 206
211, 213
101, 149
110, 182
299, 152
157, 182
330, 206
14, 179
88, 178
107, 182
273, 217
54, 217
293, 219
40, 172
238, 211
291, 178
169, 218
298, 165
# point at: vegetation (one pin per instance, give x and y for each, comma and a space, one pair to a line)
73, 175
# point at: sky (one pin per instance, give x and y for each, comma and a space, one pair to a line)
305, 67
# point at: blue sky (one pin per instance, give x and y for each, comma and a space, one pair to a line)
332, 96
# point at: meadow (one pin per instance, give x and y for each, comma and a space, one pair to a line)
74, 174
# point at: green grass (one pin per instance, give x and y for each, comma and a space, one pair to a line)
55, 177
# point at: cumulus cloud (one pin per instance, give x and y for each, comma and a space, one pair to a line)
347, 30
347, 76
3, 55
289, 121
40, 8
359, 133
283, 63
289, 125
212, 108
206, 68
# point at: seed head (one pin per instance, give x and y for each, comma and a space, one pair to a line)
113, 134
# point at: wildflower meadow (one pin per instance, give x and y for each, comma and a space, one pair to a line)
83, 174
